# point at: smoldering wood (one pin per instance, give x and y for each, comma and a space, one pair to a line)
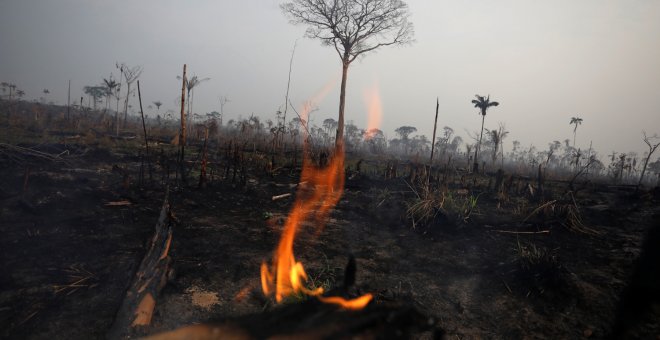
312, 319
138, 305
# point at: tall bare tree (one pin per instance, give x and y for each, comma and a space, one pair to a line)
482, 103
497, 138
131, 74
652, 147
353, 28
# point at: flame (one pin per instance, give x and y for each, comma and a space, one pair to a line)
374, 111
285, 275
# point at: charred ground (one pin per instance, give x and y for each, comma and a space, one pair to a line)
77, 215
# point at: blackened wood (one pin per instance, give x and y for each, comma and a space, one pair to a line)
314, 320
136, 310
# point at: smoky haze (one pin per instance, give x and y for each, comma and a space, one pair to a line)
545, 62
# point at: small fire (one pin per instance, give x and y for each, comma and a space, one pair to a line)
286, 276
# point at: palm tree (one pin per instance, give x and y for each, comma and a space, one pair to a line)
112, 89
482, 103
577, 121
190, 85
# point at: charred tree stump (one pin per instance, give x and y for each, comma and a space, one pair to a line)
137, 308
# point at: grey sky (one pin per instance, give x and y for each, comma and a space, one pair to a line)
544, 61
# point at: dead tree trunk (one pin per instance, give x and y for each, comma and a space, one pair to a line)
144, 128
137, 308
182, 134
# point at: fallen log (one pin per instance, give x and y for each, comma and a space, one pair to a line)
138, 305
315, 320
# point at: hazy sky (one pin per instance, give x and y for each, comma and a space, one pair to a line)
544, 61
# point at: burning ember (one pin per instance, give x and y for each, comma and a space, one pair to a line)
286, 276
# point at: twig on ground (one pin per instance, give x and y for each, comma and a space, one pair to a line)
522, 232
277, 197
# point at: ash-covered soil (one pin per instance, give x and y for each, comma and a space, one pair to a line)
73, 236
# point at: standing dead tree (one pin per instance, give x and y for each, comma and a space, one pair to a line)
131, 74
652, 148
353, 28
144, 128
190, 86
182, 134
435, 126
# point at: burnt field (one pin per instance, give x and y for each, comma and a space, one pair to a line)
471, 255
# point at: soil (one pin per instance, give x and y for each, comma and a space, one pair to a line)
68, 253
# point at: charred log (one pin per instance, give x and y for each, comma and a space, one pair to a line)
314, 320
139, 302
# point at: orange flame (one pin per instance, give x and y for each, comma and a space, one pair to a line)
375, 109
286, 276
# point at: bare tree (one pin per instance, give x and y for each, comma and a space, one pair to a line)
497, 138
223, 101
652, 148
131, 74
353, 28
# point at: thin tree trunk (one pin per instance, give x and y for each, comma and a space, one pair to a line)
68, 103
144, 128
288, 84
652, 149
502, 151
202, 172
128, 94
477, 149
118, 98
339, 140
191, 115
182, 135
435, 126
